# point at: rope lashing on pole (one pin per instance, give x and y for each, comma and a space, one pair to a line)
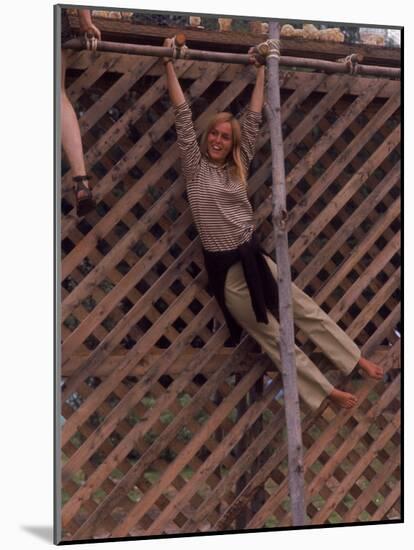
265, 50
352, 61
274, 49
91, 41
269, 49
179, 46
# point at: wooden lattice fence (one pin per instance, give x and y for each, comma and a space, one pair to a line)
165, 427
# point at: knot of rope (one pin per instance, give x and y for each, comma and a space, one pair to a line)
352, 63
178, 51
91, 41
274, 48
269, 49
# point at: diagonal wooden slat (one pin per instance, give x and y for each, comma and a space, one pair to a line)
391, 285
340, 163
382, 258
345, 193
360, 249
111, 421
222, 410
202, 394
103, 104
110, 342
389, 502
330, 136
123, 369
82, 60
382, 439
375, 485
225, 446
99, 65
347, 229
141, 389
116, 254
121, 289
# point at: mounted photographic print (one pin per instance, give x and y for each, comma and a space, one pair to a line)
228, 303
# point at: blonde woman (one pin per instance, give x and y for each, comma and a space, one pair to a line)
242, 277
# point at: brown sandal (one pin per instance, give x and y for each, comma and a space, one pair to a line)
84, 203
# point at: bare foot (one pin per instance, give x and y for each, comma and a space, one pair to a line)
343, 399
371, 369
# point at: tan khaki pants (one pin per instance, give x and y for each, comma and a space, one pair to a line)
313, 387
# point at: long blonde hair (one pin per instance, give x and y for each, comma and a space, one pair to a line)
236, 163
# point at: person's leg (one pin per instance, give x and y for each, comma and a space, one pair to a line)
71, 137
72, 145
326, 334
313, 387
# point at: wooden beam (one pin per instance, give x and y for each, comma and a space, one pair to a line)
235, 41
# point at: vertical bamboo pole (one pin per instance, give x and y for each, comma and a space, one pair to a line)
287, 339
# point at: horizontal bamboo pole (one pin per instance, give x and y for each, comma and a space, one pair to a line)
223, 57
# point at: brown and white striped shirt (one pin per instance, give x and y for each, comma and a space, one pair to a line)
219, 203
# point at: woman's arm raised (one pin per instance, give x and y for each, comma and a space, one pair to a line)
186, 135
252, 119
257, 98
174, 88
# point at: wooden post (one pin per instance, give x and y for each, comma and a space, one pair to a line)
287, 339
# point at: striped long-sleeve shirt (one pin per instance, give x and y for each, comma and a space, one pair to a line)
219, 203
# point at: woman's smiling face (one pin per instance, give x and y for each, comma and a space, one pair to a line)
220, 142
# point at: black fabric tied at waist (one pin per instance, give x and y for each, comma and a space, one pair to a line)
259, 278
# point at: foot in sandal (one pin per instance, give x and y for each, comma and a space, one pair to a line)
83, 196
